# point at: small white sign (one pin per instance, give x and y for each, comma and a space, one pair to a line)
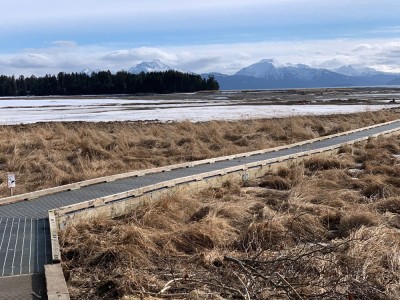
11, 180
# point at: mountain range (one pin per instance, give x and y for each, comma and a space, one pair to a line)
268, 74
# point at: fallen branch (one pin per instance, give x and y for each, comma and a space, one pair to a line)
288, 285
244, 266
175, 295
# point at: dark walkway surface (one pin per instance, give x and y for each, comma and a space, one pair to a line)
24, 250
24, 287
24, 228
24, 245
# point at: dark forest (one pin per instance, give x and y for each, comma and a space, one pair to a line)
104, 82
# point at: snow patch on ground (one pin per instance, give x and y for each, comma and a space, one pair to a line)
17, 111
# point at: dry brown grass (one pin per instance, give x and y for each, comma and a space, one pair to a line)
310, 231
325, 163
51, 154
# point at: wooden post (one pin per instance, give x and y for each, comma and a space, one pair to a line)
11, 183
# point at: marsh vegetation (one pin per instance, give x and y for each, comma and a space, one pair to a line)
50, 154
325, 228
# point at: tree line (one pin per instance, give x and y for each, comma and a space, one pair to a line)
104, 82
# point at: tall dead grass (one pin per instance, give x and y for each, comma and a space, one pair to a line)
314, 233
51, 154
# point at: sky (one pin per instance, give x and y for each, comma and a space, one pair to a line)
46, 37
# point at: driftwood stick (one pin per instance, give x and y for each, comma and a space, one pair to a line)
167, 286
289, 285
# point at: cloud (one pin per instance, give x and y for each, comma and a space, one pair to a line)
388, 59
28, 60
392, 54
65, 44
119, 55
333, 63
363, 47
201, 64
68, 56
138, 54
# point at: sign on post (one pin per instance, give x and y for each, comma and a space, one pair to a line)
11, 182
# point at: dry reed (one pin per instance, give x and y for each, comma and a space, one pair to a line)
50, 154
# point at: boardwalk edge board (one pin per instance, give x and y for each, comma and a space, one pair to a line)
98, 202
55, 283
55, 246
137, 173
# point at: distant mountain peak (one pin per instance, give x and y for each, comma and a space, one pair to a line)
150, 66
86, 70
270, 69
89, 71
264, 68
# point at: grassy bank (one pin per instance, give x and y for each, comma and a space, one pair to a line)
51, 154
326, 229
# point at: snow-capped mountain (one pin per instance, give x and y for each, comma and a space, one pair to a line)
267, 74
306, 73
269, 69
150, 66
291, 75
89, 71
352, 70
265, 68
